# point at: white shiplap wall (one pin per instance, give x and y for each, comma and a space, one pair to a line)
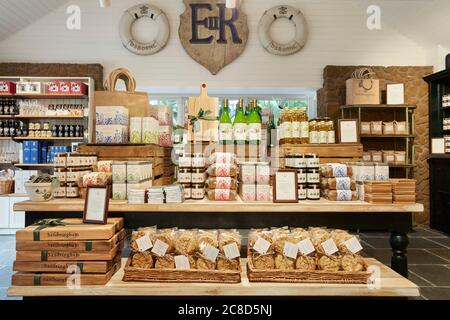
337, 29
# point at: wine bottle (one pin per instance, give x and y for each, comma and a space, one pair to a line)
225, 125
254, 124
240, 128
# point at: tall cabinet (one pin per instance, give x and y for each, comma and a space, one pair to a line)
439, 86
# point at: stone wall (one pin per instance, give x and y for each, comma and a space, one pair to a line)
94, 71
332, 96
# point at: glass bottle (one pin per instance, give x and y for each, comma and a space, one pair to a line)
225, 125
1, 129
304, 127
240, 126
254, 124
296, 118
271, 130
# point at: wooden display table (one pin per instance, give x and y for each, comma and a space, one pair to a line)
205, 214
391, 285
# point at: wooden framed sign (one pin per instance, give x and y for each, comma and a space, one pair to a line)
348, 131
96, 205
212, 34
285, 186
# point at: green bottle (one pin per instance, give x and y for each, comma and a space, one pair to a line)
254, 125
271, 131
225, 125
240, 124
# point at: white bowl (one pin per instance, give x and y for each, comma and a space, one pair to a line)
39, 192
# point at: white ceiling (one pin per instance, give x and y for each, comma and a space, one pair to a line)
17, 14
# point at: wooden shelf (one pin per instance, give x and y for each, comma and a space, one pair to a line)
49, 139
48, 117
439, 156
37, 165
391, 285
6, 138
206, 206
6, 117
43, 96
387, 136
401, 165
378, 106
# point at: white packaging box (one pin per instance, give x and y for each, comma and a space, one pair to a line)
136, 130
119, 191
381, 172
111, 134
119, 172
395, 93
248, 192
150, 130
263, 192
116, 115
366, 172
248, 172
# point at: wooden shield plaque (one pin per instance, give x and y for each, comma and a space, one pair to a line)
212, 34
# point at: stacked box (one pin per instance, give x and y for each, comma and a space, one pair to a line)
53, 254
131, 175
112, 124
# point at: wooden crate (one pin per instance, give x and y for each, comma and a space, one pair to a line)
61, 279
342, 150
243, 152
62, 266
297, 276
72, 246
173, 275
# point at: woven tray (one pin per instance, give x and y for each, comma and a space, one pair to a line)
172, 275
297, 276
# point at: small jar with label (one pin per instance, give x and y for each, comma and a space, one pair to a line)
301, 176
185, 161
72, 191
331, 132
185, 175
187, 191
313, 176
302, 192
323, 132
46, 126
313, 192
198, 191
313, 132
299, 161
198, 176
198, 160
312, 161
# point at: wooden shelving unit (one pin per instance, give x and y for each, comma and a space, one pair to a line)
43, 96
47, 117
50, 139
34, 165
360, 111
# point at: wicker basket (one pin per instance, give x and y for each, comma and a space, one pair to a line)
173, 275
297, 276
6, 186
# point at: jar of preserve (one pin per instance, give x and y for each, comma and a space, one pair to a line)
313, 192
72, 191
185, 161
323, 132
304, 127
313, 132
46, 126
301, 176
198, 160
302, 192
296, 130
198, 176
185, 175
187, 191
312, 161
300, 161
198, 191
331, 132
285, 127
313, 176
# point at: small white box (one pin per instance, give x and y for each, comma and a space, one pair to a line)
136, 130
395, 93
248, 192
119, 191
150, 130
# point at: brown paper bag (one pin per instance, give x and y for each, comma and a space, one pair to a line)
137, 102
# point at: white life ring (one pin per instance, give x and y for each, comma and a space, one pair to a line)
286, 12
131, 16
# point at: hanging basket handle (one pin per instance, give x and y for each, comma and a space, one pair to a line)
122, 74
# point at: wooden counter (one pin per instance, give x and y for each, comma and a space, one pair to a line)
192, 207
355, 215
391, 285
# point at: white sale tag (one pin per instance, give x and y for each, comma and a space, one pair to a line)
231, 251
353, 245
144, 243
306, 247
330, 247
261, 245
160, 248
211, 253
182, 263
290, 250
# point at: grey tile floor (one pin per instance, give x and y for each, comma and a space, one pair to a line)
428, 257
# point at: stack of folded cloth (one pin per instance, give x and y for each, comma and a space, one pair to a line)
336, 183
